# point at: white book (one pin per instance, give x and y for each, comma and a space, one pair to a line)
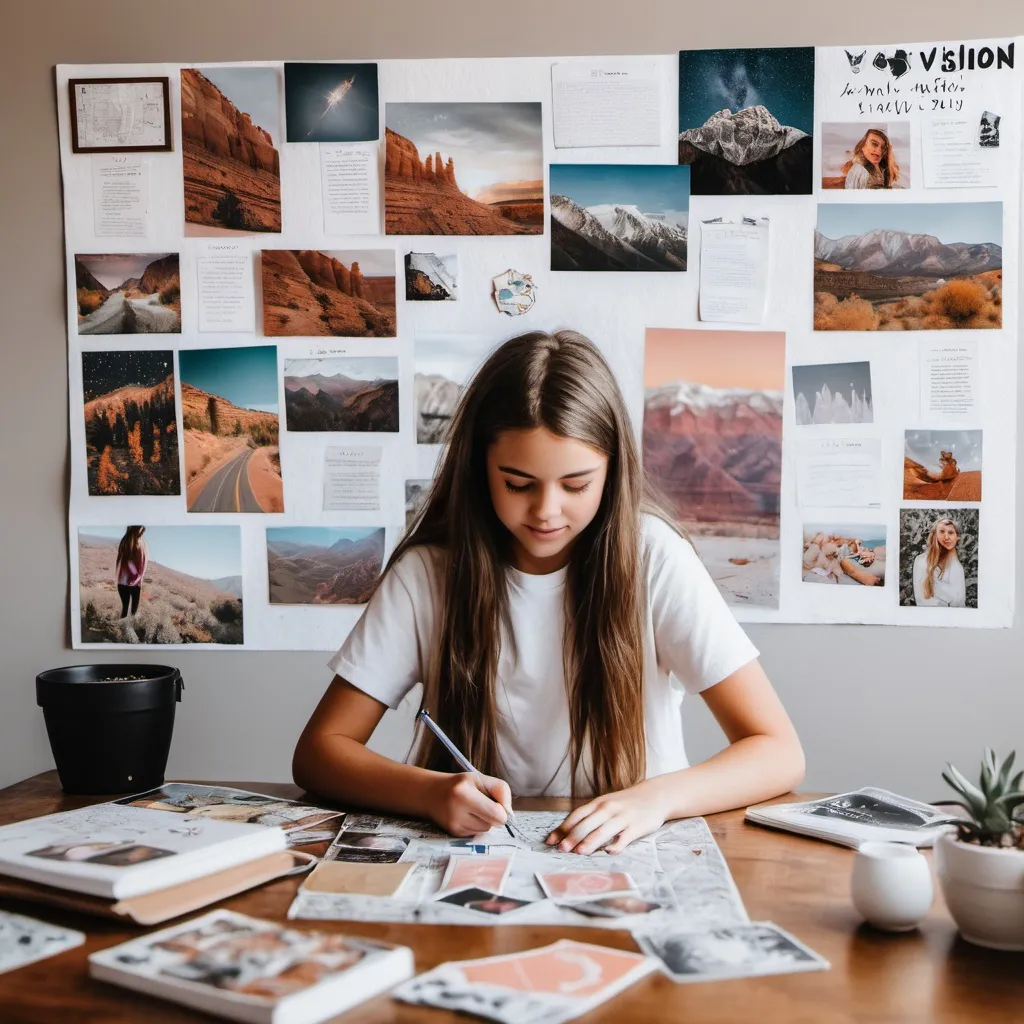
117, 852
860, 816
261, 972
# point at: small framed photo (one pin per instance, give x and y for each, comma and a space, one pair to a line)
118, 115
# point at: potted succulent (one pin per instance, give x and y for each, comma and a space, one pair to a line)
981, 865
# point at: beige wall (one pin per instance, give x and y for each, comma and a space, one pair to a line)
873, 704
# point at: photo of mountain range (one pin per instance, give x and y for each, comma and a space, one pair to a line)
905, 267
323, 564
444, 366
746, 120
357, 393
619, 217
712, 445
482, 172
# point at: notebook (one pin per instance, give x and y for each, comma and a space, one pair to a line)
247, 969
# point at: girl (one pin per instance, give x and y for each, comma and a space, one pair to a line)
543, 600
873, 164
132, 555
938, 574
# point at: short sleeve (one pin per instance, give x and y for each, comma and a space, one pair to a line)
696, 636
386, 653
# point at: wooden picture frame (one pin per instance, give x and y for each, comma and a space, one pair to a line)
78, 145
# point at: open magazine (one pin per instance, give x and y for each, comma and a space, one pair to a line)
251, 970
857, 817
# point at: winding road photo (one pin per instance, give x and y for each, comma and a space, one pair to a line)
229, 490
122, 315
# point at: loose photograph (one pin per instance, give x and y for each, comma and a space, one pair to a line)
323, 564
431, 277
229, 415
128, 293
942, 465
746, 120
832, 393
712, 444
843, 554
131, 428
160, 584
865, 155
619, 216
444, 366
745, 950
340, 393
463, 169
939, 557
348, 294
230, 128
908, 267
330, 102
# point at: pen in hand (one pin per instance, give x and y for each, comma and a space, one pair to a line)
461, 759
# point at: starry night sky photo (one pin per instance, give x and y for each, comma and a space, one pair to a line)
779, 78
103, 372
331, 102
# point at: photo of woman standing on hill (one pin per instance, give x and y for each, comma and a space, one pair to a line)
132, 556
873, 164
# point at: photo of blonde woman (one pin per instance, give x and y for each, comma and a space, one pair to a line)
865, 156
938, 558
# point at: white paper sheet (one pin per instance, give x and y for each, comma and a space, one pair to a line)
606, 103
839, 472
949, 380
226, 293
352, 478
350, 183
120, 196
734, 271
953, 156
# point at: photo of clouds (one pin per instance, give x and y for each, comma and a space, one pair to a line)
331, 102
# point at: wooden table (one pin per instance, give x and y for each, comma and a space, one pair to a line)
803, 885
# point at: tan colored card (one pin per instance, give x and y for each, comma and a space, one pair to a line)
363, 879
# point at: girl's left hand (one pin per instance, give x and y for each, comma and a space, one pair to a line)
611, 822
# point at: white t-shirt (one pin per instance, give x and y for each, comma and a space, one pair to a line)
691, 642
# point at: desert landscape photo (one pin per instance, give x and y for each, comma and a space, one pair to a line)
229, 416
942, 465
348, 294
832, 393
908, 267
746, 120
430, 277
463, 169
128, 293
131, 429
323, 564
341, 393
327, 102
444, 366
191, 592
619, 217
712, 445
229, 123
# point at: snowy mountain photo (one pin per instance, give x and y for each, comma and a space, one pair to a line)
619, 217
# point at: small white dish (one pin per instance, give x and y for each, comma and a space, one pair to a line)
891, 885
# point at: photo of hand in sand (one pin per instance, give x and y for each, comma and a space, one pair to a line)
844, 555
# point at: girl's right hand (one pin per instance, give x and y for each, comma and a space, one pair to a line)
466, 803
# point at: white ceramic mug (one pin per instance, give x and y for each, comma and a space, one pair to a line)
891, 885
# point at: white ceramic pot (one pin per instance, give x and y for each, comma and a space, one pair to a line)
891, 885
984, 890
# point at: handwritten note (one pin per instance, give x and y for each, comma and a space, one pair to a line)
350, 182
613, 103
120, 196
226, 294
734, 271
840, 472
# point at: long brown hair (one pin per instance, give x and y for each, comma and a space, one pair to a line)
887, 165
938, 556
560, 382
131, 545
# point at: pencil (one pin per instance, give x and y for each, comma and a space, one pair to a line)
461, 759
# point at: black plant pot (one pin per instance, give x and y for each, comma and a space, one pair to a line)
109, 725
